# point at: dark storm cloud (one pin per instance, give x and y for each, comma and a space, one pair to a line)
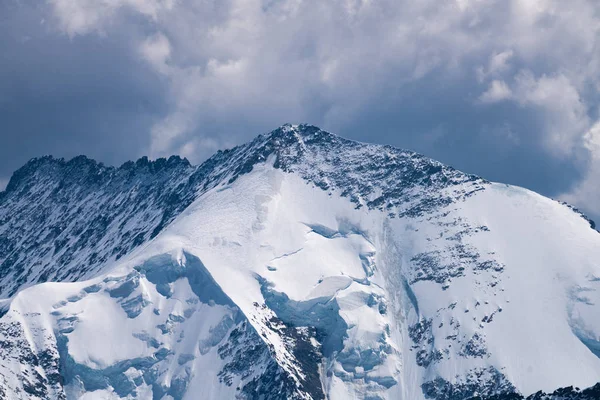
68, 96
505, 89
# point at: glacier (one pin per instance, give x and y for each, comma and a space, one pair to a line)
299, 265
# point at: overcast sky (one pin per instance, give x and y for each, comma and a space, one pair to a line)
506, 89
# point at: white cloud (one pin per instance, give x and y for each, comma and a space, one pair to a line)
498, 91
156, 50
499, 63
554, 99
561, 106
84, 16
3, 183
165, 132
586, 194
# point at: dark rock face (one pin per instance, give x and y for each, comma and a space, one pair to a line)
484, 382
567, 393
38, 372
249, 358
61, 221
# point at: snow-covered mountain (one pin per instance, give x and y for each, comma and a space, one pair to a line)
300, 265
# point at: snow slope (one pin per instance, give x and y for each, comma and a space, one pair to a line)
308, 266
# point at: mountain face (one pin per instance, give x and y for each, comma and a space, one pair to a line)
298, 266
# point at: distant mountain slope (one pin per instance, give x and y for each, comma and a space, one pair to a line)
300, 265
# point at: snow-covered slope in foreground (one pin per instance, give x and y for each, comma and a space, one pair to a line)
278, 284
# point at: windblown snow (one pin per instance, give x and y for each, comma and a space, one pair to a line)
312, 267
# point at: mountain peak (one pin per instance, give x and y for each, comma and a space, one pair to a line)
300, 265
51, 167
297, 129
372, 175
291, 135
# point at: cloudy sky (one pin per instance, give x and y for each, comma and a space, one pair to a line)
506, 89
